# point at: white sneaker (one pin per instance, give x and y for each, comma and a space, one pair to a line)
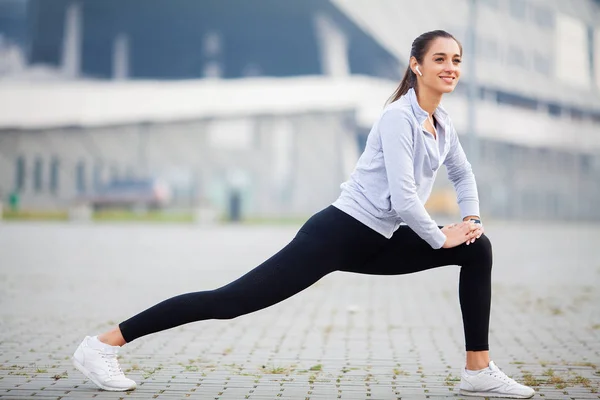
491, 382
100, 365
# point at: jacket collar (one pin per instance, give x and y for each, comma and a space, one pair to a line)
440, 113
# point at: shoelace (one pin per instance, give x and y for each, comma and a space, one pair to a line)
502, 376
114, 369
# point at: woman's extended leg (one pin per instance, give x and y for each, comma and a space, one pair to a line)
293, 269
329, 240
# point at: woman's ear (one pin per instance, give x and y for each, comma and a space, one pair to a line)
414, 65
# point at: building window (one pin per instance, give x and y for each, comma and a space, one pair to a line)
481, 93
554, 110
543, 17
490, 3
20, 174
518, 8
576, 115
54, 170
37, 175
98, 167
541, 64
516, 100
487, 48
80, 177
585, 163
516, 57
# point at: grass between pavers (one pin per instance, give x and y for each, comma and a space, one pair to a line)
314, 371
33, 370
556, 375
451, 380
560, 380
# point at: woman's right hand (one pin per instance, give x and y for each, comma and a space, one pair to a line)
457, 234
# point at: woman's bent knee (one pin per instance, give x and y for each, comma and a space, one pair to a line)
480, 252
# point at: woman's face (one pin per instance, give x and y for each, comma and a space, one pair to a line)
440, 67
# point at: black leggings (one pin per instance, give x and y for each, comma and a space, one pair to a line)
329, 241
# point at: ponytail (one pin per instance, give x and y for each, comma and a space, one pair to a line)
408, 81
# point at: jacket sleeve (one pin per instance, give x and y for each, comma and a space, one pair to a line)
461, 175
397, 144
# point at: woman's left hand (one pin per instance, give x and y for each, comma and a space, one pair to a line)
478, 228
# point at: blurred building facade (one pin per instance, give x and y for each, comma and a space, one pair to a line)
275, 99
208, 38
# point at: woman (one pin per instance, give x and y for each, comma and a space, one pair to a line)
362, 232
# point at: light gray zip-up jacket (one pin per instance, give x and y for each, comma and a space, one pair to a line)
395, 174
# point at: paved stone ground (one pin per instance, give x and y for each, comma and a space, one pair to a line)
347, 337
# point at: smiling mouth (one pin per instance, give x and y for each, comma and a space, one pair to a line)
447, 79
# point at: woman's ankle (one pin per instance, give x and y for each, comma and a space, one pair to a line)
476, 367
112, 337
477, 360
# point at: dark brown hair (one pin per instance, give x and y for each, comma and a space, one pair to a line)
419, 47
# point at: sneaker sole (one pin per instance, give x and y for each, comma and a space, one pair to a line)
488, 394
87, 373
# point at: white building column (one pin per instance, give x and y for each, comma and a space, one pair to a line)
571, 52
596, 56
333, 47
120, 57
72, 39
